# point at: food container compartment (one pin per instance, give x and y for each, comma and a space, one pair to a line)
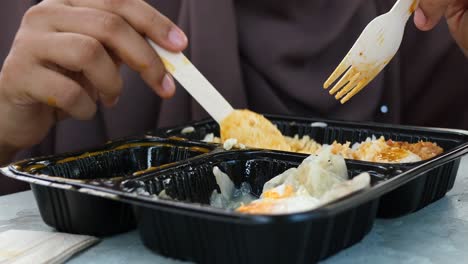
76, 212
73, 212
203, 234
430, 186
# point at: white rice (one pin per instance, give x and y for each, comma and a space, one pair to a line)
187, 130
229, 143
318, 124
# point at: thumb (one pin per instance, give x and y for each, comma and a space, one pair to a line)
429, 13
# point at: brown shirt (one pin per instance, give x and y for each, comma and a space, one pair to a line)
272, 56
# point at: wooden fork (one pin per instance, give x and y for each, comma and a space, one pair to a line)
373, 50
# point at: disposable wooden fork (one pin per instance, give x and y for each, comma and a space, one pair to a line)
373, 50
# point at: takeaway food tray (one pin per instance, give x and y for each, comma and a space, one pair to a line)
106, 190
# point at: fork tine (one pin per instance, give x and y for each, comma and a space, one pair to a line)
356, 89
342, 67
345, 79
348, 86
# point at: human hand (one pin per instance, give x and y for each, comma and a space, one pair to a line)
430, 13
66, 57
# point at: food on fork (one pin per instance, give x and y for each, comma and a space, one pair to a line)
317, 181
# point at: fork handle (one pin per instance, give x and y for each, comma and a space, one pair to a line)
404, 8
194, 83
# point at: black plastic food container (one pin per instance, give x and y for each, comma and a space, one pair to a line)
81, 213
430, 186
72, 189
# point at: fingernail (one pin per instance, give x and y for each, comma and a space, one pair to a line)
168, 84
419, 18
177, 37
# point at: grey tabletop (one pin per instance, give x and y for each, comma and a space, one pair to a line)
435, 234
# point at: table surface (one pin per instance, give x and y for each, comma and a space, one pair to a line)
435, 234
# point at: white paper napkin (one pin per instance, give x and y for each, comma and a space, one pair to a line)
21, 246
